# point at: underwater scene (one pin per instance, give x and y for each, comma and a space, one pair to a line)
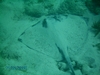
49, 37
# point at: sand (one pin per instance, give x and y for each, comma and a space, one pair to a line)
25, 42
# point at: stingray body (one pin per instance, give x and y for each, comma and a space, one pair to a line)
61, 42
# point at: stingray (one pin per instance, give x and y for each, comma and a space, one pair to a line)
60, 43
47, 25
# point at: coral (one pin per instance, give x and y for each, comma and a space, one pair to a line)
96, 2
9, 52
34, 10
98, 46
39, 1
1, 1
2, 66
96, 26
72, 7
93, 6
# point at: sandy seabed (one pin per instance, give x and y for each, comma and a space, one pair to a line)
25, 42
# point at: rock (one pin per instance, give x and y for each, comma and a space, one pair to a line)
86, 69
78, 72
62, 66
